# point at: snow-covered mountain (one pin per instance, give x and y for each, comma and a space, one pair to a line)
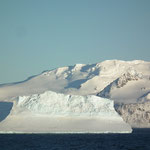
124, 82
53, 112
82, 79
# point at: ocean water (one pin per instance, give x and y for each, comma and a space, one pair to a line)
138, 140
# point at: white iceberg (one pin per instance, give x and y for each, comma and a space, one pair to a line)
52, 112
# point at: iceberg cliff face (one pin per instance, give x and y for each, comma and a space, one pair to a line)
52, 103
52, 112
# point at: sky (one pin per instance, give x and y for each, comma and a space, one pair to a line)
38, 35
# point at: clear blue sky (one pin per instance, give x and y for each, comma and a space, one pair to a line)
37, 35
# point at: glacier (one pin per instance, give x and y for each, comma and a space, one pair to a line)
52, 112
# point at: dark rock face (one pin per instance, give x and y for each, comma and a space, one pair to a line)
137, 115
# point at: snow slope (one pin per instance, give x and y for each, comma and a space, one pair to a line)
52, 112
127, 88
124, 82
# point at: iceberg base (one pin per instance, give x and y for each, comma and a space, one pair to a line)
44, 124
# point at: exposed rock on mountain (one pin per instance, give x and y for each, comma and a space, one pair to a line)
137, 115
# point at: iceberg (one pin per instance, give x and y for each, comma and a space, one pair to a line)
52, 112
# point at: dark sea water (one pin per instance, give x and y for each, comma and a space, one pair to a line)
138, 140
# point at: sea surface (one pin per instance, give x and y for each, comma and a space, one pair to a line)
138, 140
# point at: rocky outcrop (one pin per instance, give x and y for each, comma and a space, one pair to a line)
137, 115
